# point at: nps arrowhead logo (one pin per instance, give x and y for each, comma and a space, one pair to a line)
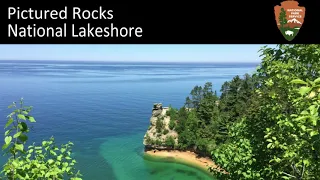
289, 18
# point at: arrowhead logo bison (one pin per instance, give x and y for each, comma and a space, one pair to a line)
289, 18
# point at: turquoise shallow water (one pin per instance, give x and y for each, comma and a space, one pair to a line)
127, 162
104, 108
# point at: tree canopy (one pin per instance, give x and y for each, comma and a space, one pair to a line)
264, 125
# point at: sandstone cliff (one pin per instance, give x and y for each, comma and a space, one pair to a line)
159, 135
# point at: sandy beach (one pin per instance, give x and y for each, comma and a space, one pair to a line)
186, 157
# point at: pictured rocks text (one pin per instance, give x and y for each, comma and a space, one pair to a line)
64, 29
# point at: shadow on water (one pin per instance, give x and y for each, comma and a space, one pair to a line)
193, 174
189, 173
88, 157
140, 151
99, 168
175, 173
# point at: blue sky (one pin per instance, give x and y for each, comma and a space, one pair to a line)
134, 53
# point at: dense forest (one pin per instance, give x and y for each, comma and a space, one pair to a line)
264, 125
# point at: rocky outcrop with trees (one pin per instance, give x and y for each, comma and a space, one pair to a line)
160, 134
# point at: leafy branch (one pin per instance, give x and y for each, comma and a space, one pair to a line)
45, 161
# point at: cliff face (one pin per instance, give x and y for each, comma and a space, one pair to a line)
159, 135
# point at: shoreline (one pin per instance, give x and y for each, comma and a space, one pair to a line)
183, 157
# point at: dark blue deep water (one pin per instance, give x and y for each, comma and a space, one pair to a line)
104, 109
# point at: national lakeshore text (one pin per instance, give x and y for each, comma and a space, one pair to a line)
63, 30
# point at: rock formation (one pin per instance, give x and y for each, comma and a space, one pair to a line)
159, 135
157, 109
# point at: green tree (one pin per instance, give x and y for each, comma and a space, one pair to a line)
170, 142
149, 141
44, 161
196, 96
283, 18
278, 136
172, 124
207, 105
159, 125
188, 136
173, 117
235, 96
181, 120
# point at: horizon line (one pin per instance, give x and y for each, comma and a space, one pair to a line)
123, 61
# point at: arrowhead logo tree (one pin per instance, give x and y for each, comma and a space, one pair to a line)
289, 17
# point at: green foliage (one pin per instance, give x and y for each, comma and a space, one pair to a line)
283, 18
181, 119
278, 136
235, 156
149, 140
157, 142
45, 161
187, 138
263, 126
172, 112
165, 131
203, 124
170, 142
173, 117
159, 125
168, 112
172, 124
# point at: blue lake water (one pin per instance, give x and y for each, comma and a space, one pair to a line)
104, 108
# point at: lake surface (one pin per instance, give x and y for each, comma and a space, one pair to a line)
105, 108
